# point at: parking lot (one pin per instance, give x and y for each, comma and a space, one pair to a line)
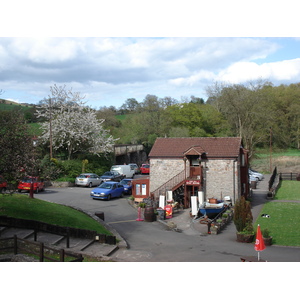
151, 241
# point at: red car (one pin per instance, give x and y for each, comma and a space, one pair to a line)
3, 184
145, 169
25, 184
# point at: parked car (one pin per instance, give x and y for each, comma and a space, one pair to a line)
252, 178
112, 175
135, 167
3, 184
107, 190
125, 170
37, 184
127, 183
145, 169
88, 179
256, 174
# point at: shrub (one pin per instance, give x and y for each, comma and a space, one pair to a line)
72, 168
266, 233
242, 215
50, 169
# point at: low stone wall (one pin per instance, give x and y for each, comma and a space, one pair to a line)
218, 226
272, 192
60, 184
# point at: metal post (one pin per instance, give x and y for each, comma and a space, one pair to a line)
68, 238
62, 255
31, 190
15, 245
41, 252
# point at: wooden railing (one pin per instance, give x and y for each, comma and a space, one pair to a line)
171, 184
67, 232
288, 176
18, 245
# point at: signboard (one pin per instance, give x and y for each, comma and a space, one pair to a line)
168, 209
144, 189
192, 182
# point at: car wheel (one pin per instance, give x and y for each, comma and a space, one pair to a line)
122, 195
37, 191
19, 191
90, 184
108, 197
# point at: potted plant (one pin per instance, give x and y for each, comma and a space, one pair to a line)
267, 237
247, 234
242, 219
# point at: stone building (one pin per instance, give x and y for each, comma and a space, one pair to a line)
216, 166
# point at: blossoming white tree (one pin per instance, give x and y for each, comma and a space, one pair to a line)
71, 125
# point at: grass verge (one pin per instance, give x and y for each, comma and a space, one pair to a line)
23, 207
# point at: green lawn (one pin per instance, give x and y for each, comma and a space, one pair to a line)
23, 207
284, 221
289, 190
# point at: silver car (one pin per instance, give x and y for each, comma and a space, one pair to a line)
88, 179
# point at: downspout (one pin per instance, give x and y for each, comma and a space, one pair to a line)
234, 181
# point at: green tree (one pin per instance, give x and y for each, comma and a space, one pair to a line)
246, 109
286, 112
198, 119
18, 155
130, 105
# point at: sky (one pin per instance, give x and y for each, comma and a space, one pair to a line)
130, 55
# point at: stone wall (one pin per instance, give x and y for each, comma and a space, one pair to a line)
222, 179
221, 176
163, 170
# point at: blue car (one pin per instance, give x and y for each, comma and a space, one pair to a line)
127, 183
107, 190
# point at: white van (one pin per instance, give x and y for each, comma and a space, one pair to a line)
124, 170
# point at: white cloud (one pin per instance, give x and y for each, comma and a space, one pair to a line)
114, 69
244, 71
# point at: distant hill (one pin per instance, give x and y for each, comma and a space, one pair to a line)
10, 105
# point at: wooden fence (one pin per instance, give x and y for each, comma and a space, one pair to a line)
18, 245
289, 176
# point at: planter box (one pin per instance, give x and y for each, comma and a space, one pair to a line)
268, 241
244, 238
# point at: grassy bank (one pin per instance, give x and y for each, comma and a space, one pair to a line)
23, 207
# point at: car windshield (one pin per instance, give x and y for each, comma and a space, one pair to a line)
107, 174
125, 182
105, 185
27, 179
145, 166
84, 176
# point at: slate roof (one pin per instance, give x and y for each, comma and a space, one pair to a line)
215, 147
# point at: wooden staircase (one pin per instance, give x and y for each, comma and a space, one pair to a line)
173, 184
